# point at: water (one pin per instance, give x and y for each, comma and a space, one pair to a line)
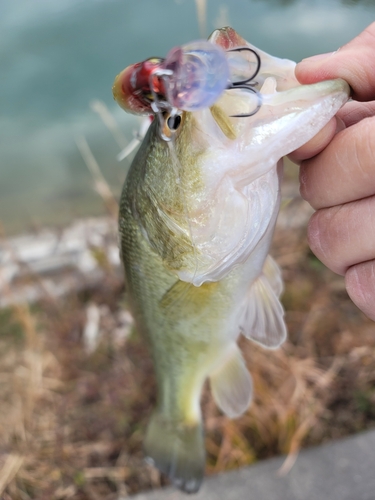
56, 56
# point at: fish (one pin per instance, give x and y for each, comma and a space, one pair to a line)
197, 215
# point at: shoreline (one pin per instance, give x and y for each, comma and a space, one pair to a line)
54, 262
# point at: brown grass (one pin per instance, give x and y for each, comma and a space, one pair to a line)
72, 419
74, 404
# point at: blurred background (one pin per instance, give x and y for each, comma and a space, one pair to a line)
56, 57
76, 380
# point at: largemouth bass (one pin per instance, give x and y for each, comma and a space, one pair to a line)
197, 215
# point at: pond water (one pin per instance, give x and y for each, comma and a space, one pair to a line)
57, 56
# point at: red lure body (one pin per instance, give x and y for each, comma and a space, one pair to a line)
136, 80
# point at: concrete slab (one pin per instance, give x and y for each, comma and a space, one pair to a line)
341, 470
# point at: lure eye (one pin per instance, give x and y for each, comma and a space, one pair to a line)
174, 122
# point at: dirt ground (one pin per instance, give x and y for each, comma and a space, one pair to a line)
77, 384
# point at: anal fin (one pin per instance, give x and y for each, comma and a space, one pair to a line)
231, 385
262, 315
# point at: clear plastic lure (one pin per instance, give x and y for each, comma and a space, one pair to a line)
190, 78
196, 75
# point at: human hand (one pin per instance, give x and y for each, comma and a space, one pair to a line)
337, 173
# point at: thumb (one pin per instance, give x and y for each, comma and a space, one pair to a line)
354, 62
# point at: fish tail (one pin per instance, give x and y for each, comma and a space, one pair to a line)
177, 450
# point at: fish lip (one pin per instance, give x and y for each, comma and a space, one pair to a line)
270, 66
227, 38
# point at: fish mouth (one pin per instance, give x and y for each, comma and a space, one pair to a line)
282, 70
227, 38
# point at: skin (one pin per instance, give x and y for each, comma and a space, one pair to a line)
337, 170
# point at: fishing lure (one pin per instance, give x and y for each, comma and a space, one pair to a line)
191, 77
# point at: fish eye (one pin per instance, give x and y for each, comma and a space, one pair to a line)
174, 122
171, 125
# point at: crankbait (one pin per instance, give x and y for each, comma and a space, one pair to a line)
191, 77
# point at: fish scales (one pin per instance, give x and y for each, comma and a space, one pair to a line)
171, 312
197, 215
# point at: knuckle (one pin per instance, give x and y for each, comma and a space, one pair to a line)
360, 285
315, 234
324, 238
309, 185
364, 146
303, 182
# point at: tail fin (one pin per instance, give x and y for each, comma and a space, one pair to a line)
177, 450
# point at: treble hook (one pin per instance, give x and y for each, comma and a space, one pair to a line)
245, 84
240, 49
161, 106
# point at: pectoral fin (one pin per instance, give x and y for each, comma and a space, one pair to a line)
272, 272
262, 315
231, 385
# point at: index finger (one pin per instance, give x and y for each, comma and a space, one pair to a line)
354, 63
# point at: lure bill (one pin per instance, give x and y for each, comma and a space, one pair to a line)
197, 216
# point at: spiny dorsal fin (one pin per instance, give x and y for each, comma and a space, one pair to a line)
262, 315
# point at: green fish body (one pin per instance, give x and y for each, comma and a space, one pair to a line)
197, 216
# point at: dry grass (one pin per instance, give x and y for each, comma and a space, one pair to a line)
77, 385
73, 413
